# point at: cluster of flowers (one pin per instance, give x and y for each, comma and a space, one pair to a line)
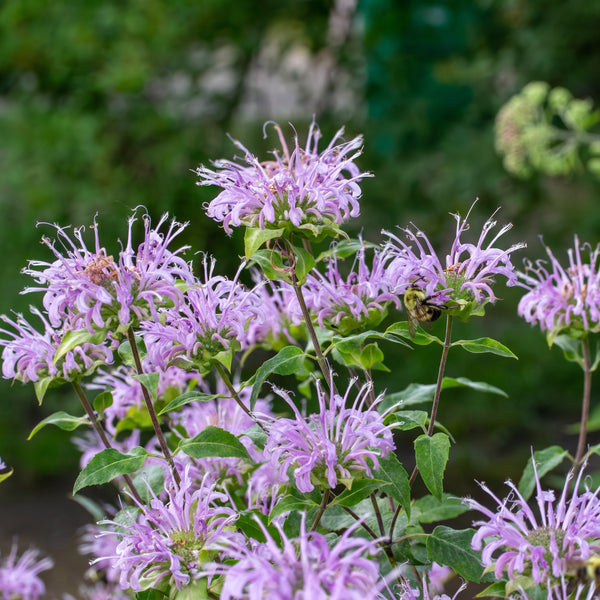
254, 524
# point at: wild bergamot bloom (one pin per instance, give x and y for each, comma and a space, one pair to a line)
563, 298
353, 302
90, 288
302, 190
538, 546
335, 445
19, 575
464, 280
174, 541
212, 321
305, 567
30, 355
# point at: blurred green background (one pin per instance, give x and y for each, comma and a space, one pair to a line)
107, 105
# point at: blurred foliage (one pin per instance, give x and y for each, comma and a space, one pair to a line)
108, 105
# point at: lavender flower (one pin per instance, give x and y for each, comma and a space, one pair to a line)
335, 445
174, 541
99, 591
538, 547
304, 568
211, 321
89, 288
305, 189
29, 355
356, 302
467, 277
560, 298
19, 576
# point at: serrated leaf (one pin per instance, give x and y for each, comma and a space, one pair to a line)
286, 362
485, 345
255, 237
405, 420
150, 477
102, 401
247, 522
452, 548
186, 398
360, 490
62, 420
109, 464
431, 454
213, 441
126, 355
545, 461
370, 356
395, 479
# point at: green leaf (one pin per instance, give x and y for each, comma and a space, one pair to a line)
109, 464
370, 356
572, 348
361, 489
126, 355
62, 420
6, 475
150, 382
430, 509
150, 477
247, 522
305, 262
286, 362
496, 590
405, 420
395, 479
42, 385
484, 345
422, 338
452, 548
77, 337
271, 264
255, 237
291, 502
417, 393
186, 398
102, 401
151, 594
545, 461
213, 441
431, 454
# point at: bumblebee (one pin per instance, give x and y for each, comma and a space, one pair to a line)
586, 570
420, 309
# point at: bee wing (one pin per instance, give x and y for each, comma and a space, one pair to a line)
413, 324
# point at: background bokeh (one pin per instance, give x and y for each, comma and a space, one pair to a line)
108, 105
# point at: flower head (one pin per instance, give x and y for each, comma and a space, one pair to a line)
175, 540
466, 277
212, 320
334, 445
539, 546
303, 568
19, 576
303, 189
560, 298
351, 303
30, 355
89, 288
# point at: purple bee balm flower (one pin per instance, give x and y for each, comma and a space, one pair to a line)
19, 576
559, 297
99, 591
89, 288
468, 273
303, 568
356, 302
334, 445
29, 355
175, 541
305, 189
538, 546
213, 319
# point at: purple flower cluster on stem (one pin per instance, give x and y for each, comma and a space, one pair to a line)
304, 188
19, 575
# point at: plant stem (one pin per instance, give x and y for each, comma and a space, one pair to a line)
235, 395
151, 411
102, 435
438, 388
362, 522
322, 508
585, 403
